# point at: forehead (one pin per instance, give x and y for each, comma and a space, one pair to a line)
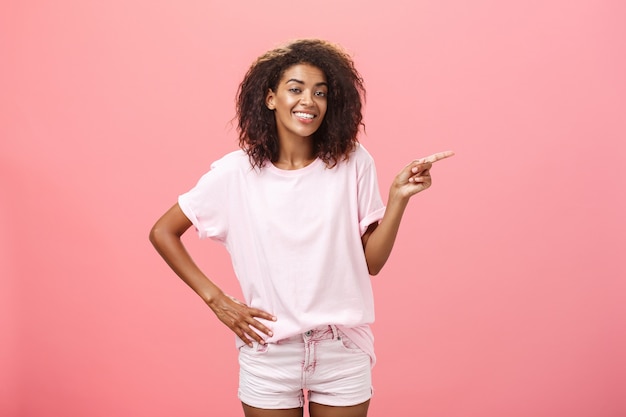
304, 72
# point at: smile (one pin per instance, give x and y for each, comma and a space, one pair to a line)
304, 115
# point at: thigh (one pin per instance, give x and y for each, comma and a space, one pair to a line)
250, 411
342, 375
270, 376
320, 410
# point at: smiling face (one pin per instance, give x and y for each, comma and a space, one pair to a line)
299, 102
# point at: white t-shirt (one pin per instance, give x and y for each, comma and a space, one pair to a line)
294, 237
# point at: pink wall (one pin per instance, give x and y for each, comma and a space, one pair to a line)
506, 291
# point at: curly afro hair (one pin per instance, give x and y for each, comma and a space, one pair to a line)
336, 137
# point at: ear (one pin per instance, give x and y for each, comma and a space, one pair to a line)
269, 99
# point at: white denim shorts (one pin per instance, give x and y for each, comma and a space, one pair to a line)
322, 362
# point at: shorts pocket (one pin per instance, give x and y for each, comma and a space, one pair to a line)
347, 343
256, 349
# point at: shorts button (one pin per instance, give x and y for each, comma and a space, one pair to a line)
308, 333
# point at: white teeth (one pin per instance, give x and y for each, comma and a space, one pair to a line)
304, 115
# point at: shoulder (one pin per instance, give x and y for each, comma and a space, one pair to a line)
232, 160
226, 167
361, 154
360, 158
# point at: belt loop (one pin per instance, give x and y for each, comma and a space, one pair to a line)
335, 331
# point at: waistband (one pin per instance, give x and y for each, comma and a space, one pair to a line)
319, 333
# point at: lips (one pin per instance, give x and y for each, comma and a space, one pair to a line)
303, 115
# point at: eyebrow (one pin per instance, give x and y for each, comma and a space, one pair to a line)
302, 82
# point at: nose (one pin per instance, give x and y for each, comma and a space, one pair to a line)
306, 99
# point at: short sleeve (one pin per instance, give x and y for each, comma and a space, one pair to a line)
371, 207
206, 205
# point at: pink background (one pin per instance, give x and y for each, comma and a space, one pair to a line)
505, 295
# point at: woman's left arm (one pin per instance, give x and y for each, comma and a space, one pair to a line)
379, 238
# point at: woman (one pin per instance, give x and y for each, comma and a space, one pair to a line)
299, 210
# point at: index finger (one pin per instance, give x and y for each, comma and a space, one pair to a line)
437, 157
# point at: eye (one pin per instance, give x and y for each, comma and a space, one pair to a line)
295, 90
320, 93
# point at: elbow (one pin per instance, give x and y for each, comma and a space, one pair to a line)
152, 236
374, 262
156, 235
374, 269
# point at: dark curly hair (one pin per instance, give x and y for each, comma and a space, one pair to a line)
336, 136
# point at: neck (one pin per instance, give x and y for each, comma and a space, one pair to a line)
295, 153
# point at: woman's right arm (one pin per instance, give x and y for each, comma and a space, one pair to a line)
165, 237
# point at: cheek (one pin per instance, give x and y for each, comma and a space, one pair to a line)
288, 104
323, 107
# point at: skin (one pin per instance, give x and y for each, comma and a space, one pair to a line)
302, 89
315, 410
